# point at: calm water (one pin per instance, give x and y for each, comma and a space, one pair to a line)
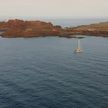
46, 73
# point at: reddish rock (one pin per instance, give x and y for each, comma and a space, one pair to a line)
20, 28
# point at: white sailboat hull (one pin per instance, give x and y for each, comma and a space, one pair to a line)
78, 50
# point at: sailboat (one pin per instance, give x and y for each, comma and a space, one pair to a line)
78, 49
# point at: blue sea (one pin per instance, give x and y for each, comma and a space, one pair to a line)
46, 73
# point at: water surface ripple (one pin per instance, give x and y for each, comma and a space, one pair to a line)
46, 73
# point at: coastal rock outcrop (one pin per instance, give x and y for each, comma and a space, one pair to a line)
98, 29
19, 28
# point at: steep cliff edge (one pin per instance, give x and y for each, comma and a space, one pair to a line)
19, 28
98, 29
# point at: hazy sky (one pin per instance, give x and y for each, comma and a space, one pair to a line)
54, 8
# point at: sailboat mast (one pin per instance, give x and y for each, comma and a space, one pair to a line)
78, 44
78, 49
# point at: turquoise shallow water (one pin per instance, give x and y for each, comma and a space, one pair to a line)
46, 73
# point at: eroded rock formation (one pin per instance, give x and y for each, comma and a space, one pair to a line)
20, 28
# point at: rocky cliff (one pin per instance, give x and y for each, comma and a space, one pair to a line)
98, 29
20, 28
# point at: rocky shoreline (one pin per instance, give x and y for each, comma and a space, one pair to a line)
27, 29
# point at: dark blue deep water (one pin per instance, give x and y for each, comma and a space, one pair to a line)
46, 73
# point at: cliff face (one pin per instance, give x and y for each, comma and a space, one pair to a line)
20, 28
99, 29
